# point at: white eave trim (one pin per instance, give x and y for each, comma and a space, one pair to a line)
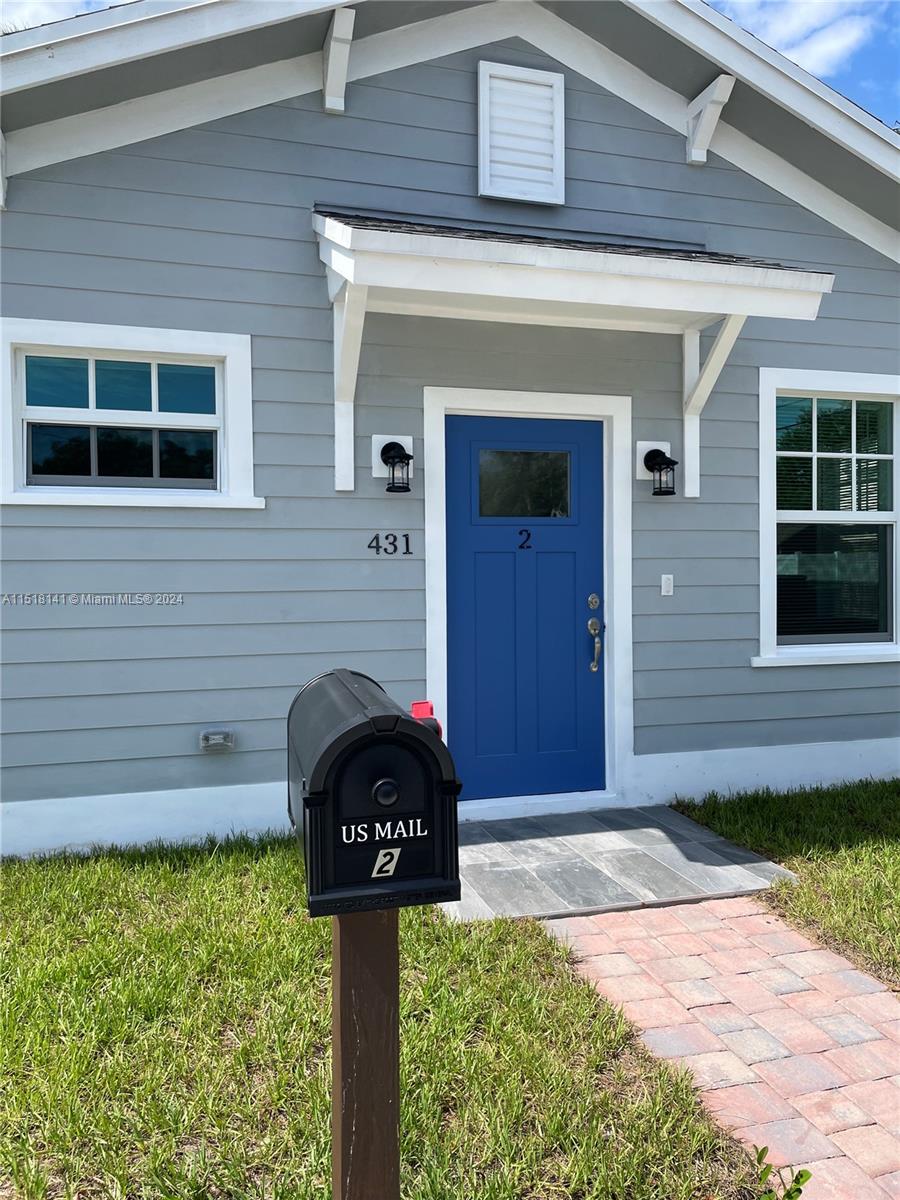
732, 48
65, 49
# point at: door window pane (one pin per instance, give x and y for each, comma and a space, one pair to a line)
794, 424
184, 454
834, 583
794, 482
833, 420
56, 382
124, 385
523, 483
125, 452
835, 484
59, 450
874, 491
874, 431
186, 389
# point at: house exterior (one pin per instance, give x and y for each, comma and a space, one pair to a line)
247, 245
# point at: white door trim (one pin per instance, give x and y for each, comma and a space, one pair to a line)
615, 413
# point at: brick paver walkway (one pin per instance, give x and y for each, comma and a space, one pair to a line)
791, 1046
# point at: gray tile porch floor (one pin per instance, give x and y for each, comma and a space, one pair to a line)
568, 863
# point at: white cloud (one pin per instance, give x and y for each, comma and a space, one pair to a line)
828, 51
819, 35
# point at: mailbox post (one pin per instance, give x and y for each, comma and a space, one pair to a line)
374, 792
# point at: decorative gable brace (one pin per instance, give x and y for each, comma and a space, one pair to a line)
703, 116
336, 59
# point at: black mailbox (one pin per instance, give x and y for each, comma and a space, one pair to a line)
374, 791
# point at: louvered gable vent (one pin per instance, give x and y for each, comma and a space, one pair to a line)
521, 152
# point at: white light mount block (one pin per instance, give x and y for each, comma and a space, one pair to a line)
640, 449
379, 441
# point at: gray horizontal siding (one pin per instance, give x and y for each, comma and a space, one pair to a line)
210, 229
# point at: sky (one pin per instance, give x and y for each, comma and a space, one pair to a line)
853, 45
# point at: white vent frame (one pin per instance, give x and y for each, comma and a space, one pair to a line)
525, 192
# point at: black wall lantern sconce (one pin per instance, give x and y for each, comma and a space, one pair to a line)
397, 460
662, 468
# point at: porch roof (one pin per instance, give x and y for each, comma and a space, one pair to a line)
480, 274
394, 265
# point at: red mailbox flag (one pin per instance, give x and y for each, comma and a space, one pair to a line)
423, 710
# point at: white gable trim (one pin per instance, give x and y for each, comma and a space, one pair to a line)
71, 48
179, 108
702, 28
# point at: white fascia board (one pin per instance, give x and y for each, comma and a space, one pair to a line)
70, 49
194, 104
463, 266
361, 239
87, 22
699, 26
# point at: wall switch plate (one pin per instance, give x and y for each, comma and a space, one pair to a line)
640, 449
667, 585
379, 440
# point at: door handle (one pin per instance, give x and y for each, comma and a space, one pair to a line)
593, 627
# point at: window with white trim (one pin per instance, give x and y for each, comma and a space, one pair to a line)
829, 558
109, 414
521, 134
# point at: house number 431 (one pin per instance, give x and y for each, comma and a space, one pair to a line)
391, 543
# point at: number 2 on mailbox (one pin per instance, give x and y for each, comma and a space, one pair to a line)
385, 863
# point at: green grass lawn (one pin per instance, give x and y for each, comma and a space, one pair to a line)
844, 844
165, 1033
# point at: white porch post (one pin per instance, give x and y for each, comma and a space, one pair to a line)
349, 317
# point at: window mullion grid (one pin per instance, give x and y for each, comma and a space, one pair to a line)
156, 454
95, 471
815, 451
154, 386
854, 499
92, 384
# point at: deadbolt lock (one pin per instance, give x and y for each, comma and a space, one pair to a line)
593, 601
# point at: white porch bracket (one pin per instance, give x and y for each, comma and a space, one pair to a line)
698, 385
703, 114
2, 171
336, 59
349, 317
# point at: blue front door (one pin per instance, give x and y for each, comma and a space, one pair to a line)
524, 577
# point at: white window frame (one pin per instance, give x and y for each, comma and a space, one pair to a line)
491, 70
233, 421
774, 382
